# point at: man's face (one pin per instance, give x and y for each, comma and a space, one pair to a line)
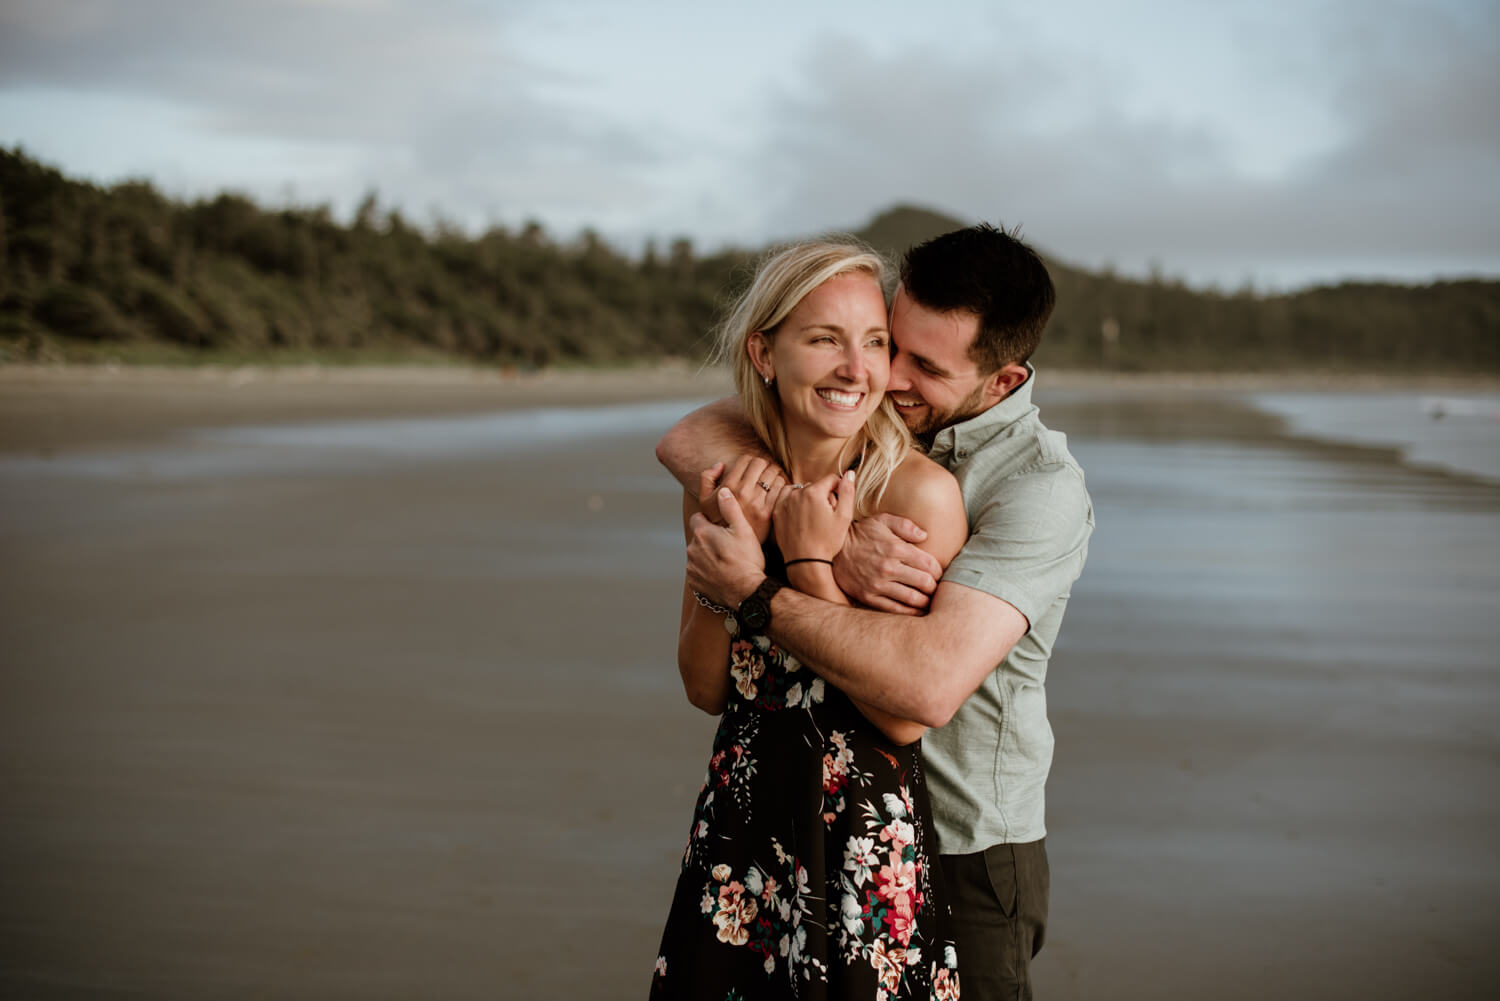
934, 382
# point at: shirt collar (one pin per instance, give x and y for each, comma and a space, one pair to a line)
959, 440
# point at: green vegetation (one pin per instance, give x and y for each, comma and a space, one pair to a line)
1103, 321
123, 273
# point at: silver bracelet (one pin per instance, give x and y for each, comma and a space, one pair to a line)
716, 609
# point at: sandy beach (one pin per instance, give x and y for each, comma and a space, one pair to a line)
298, 716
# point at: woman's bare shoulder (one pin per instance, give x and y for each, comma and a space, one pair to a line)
920, 486
926, 493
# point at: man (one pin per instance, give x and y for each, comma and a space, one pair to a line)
967, 315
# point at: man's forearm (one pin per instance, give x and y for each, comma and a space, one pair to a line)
914, 668
888, 661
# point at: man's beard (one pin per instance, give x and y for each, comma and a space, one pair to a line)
935, 420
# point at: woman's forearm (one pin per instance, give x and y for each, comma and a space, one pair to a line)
703, 661
715, 433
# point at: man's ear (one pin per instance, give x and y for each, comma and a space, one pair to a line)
1003, 381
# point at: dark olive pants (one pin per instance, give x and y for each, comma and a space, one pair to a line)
999, 899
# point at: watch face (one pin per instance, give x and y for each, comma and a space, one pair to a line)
755, 613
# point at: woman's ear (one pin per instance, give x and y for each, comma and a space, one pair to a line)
759, 349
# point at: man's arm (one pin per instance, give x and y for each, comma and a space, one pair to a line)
916, 668
708, 435
883, 565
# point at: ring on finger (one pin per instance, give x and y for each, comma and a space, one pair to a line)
764, 486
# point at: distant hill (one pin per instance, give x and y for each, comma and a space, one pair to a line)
1104, 321
896, 229
124, 272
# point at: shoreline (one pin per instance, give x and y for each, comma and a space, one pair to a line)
676, 372
52, 407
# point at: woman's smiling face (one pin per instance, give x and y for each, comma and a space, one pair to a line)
830, 357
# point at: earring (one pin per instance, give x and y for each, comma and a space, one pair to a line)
767, 380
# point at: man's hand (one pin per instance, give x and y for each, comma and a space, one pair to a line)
755, 481
724, 562
811, 521
881, 568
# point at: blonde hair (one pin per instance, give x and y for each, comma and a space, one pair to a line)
786, 276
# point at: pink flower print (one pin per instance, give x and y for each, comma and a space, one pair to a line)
897, 882
768, 891
835, 774
899, 834
745, 668
902, 925
889, 964
736, 912
945, 985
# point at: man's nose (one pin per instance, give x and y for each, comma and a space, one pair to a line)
900, 374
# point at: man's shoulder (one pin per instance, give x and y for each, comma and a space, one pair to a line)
1024, 446
1023, 467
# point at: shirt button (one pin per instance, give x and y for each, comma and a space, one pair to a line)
963, 453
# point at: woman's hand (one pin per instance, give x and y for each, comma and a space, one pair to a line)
811, 521
756, 483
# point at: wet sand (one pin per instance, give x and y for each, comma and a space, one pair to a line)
410, 726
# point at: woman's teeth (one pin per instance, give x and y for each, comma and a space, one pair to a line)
840, 399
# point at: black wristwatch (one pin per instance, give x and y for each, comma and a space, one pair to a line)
754, 613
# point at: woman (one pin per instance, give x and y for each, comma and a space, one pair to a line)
808, 869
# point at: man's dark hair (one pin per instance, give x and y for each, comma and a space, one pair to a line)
991, 273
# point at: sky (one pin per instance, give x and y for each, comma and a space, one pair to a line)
1272, 144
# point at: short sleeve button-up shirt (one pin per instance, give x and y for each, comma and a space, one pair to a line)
1030, 518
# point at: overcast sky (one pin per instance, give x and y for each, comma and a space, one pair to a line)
1282, 142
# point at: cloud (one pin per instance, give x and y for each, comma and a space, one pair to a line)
1424, 146
1039, 139
1246, 139
434, 104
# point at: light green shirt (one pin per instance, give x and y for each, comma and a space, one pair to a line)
1030, 518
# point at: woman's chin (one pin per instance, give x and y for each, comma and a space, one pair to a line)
844, 425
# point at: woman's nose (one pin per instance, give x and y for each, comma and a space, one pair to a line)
853, 365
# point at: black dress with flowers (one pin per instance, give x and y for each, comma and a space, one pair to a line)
809, 870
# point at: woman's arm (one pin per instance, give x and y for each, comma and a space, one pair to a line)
807, 522
702, 644
714, 433
928, 495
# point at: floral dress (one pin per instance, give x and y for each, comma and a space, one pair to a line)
809, 870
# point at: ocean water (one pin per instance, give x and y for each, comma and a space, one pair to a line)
1276, 691
1459, 433
354, 446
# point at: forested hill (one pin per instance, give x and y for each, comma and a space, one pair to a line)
124, 272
